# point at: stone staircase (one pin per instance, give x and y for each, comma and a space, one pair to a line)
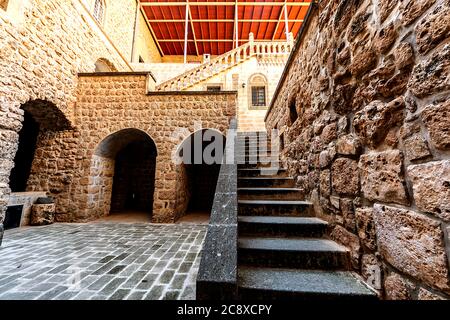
283, 252
226, 61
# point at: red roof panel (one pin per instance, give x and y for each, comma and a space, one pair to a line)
214, 25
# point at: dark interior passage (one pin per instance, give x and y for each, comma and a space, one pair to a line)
134, 178
202, 174
202, 183
24, 157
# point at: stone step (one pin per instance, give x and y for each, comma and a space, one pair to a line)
262, 172
255, 160
270, 194
274, 208
260, 182
303, 253
271, 164
288, 284
282, 226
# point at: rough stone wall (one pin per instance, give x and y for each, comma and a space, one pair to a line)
44, 44
108, 104
364, 113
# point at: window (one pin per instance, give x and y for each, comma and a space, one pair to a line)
213, 88
99, 10
257, 92
4, 4
258, 96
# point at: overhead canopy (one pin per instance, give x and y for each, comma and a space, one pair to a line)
216, 26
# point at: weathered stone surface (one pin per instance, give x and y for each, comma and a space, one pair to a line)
42, 214
433, 28
366, 227
8, 144
325, 183
431, 75
345, 178
416, 148
398, 287
437, 119
431, 187
371, 270
413, 9
348, 214
385, 38
413, 244
364, 61
404, 55
329, 133
424, 294
372, 123
385, 8
382, 177
349, 240
348, 145
344, 13
342, 98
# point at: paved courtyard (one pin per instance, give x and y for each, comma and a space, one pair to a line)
101, 261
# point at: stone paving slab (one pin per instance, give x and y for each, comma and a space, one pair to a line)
100, 261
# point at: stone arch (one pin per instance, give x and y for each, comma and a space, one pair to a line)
197, 175
42, 121
258, 93
122, 174
104, 65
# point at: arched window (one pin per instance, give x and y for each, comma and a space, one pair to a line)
99, 10
103, 65
257, 92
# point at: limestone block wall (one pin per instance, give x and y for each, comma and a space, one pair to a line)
364, 112
81, 182
43, 45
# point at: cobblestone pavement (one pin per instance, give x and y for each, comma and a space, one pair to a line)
101, 261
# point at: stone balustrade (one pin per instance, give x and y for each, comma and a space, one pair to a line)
226, 61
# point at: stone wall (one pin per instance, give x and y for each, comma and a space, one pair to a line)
363, 110
44, 44
68, 167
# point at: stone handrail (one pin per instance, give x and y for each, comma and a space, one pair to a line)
217, 275
226, 61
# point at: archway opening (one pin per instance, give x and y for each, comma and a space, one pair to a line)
201, 155
104, 65
123, 176
40, 118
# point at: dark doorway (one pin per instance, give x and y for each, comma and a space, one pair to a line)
202, 175
13, 217
25, 154
134, 178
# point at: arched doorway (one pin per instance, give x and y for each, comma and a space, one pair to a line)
122, 180
40, 118
200, 157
